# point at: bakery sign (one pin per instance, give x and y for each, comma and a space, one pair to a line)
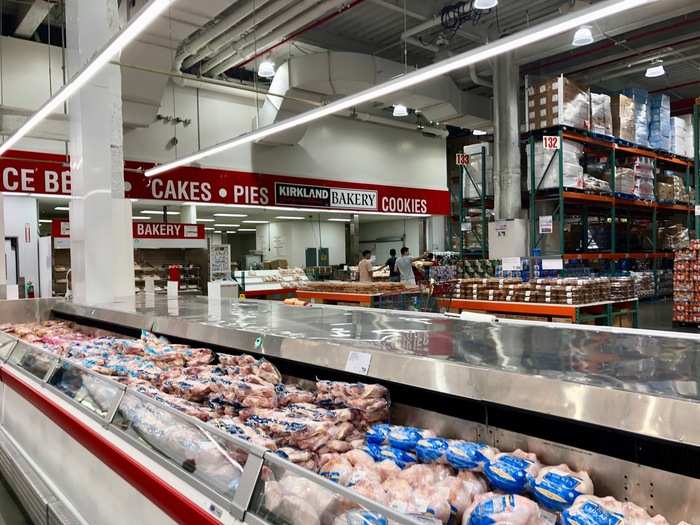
44, 173
146, 235
305, 195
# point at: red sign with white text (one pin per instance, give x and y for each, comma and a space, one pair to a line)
48, 174
148, 234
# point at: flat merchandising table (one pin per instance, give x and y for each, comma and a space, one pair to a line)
576, 313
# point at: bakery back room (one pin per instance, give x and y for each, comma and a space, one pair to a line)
349, 261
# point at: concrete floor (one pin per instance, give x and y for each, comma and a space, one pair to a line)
657, 315
10, 511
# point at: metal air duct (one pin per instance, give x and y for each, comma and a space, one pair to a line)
506, 89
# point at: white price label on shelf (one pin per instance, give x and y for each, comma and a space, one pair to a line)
552, 263
466, 226
512, 264
358, 363
546, 224
697, 210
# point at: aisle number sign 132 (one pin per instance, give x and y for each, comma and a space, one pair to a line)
551, 142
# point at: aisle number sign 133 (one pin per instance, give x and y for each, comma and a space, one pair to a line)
551, 142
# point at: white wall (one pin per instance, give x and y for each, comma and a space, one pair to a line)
373, 233
286, 240
334, 149
20, 211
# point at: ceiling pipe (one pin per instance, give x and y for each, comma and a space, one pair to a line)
245, 59
211, 30
264, 9
640, 69
417, 43
305, 10
474, 77
399, 9
436, 21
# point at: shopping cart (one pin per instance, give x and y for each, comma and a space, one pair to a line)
439, 290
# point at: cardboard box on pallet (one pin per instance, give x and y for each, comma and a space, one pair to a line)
623, 117
686, 284
557, 101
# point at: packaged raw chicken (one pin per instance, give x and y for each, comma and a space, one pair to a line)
360, 517
402, 458
469, 455
406, 438
299, 501
557, 488
432, 450
593, 510
512, 472
378, 434
506, 509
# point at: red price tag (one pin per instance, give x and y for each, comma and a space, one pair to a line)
551, 142
462, 159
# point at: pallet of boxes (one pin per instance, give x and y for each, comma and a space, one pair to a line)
686, 284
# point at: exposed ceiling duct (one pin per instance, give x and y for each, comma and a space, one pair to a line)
334, 75
33, 17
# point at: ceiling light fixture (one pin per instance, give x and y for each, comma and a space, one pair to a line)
256, 222
400, 110
655, 71
140, 218
208, 229
217, 231
498, 47
289, 218
227, 225
230, 215
62, 208
156, 212
230, 231
583, 36
478, 132
205, 220
247, 230
147, 15
266, 69
339, 220
485, 4
45, 221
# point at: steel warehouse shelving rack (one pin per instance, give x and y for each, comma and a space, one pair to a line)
616, 210
475, 210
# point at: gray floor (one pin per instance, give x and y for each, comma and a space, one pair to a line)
657, 315
10, 511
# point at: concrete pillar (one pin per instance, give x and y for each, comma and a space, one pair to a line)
506, 90
188, 214
102, 257
3, 270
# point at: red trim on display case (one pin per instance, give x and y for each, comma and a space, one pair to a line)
180, 508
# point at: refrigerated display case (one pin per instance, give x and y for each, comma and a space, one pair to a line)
621, 404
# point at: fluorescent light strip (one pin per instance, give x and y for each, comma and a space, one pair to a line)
256, 222
155, 212
221, 225
145, 17
247, 230
141, 218
208, 229
205, 220
62, 208
339, 220
468, 58
45, 221
230, 231
218, 231
289, 218
233, 215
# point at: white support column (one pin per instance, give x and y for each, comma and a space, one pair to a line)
188, 214
3, 270
102, 257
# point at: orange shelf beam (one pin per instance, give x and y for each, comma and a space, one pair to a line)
621, 203
593, 256
549, 310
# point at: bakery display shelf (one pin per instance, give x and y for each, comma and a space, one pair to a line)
605, 311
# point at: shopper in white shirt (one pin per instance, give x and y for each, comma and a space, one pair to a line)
405, 266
